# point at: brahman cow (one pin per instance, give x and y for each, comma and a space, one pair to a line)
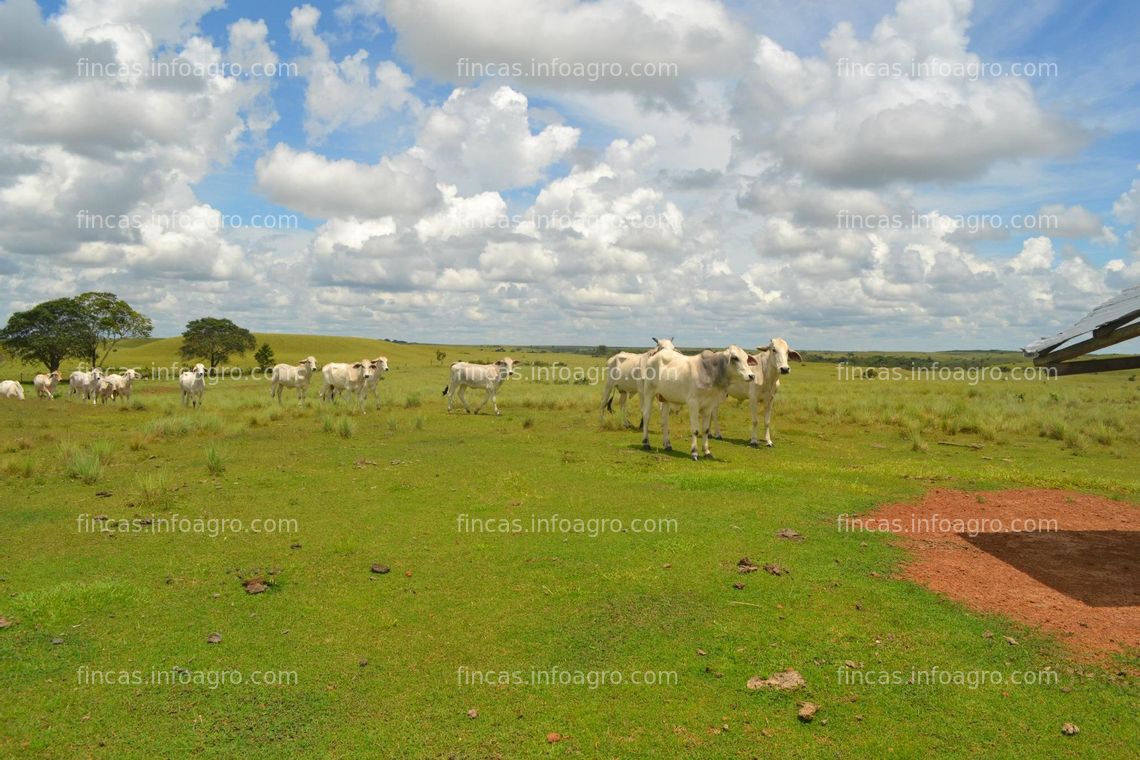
371, 385
11, 389
193, 384
700, 382
84, 383
351, 378
45, 384
486, 376
114, 387
772, 361
292, 376
622, 371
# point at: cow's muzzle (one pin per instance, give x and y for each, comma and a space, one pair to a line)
785, 370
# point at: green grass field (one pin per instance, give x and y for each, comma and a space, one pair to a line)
383, 665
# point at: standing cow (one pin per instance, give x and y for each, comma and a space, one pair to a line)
83, 384
372, 385
193, 385
485, 376
622, 373
699, 382
292, 376
350, 378
772, 361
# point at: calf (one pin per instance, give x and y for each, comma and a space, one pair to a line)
351, 378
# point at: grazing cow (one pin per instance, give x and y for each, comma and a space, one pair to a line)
622, 371
772, 361
350, 378
700, 382
486, 376
84, 383
11, 389
372, 385
292, 376
193, 384
46, 384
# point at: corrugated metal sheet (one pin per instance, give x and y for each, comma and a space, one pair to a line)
1127, 304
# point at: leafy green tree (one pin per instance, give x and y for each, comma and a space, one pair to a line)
215, 340
264, 356
111, 320
48, 333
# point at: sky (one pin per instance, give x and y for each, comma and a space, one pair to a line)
919, 175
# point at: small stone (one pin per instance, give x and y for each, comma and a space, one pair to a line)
214, 638
1070, 729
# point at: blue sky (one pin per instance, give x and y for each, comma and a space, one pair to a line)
420, 202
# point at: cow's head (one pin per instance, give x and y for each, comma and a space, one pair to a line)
55, 375
131, 374
506, 367
780, 351
309, 362
199, 370
381, 363
367, 368
661, 345
96, 373
741, 363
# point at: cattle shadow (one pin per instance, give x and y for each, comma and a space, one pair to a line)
675, 453
1098, 567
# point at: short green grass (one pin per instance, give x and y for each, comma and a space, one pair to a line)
380, 660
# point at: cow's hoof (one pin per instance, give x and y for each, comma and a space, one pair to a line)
695, 457
770, 444
668, 447
708, 455
645, 447
717, 436
754, 444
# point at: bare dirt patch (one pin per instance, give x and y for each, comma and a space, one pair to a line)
1067, 562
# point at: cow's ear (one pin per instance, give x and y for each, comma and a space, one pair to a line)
358, 365
795, 355
752, 361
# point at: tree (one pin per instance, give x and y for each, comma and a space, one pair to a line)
111, 319
214, 340
440, 355
48, 333
264, 356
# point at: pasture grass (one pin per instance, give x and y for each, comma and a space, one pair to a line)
380, 658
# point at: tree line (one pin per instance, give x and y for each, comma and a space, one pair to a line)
89, 326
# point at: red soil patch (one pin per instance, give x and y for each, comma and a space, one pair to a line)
1067, 562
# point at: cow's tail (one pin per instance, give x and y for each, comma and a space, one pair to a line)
445, 389
610, 401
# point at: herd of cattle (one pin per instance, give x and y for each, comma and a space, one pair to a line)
700, 382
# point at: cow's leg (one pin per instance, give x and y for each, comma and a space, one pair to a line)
623, 399
714, 422
707, 422
646, 409
695, 428
463, 398
605, 400
768, 420
665, 442
495, 406
754, 404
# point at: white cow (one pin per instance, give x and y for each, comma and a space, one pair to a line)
350, 378
772, 361
193, 384
114, 387
46, 384
371, 386
84, 383
292, 376
622, 372
486, 376
700, 382
11, 389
